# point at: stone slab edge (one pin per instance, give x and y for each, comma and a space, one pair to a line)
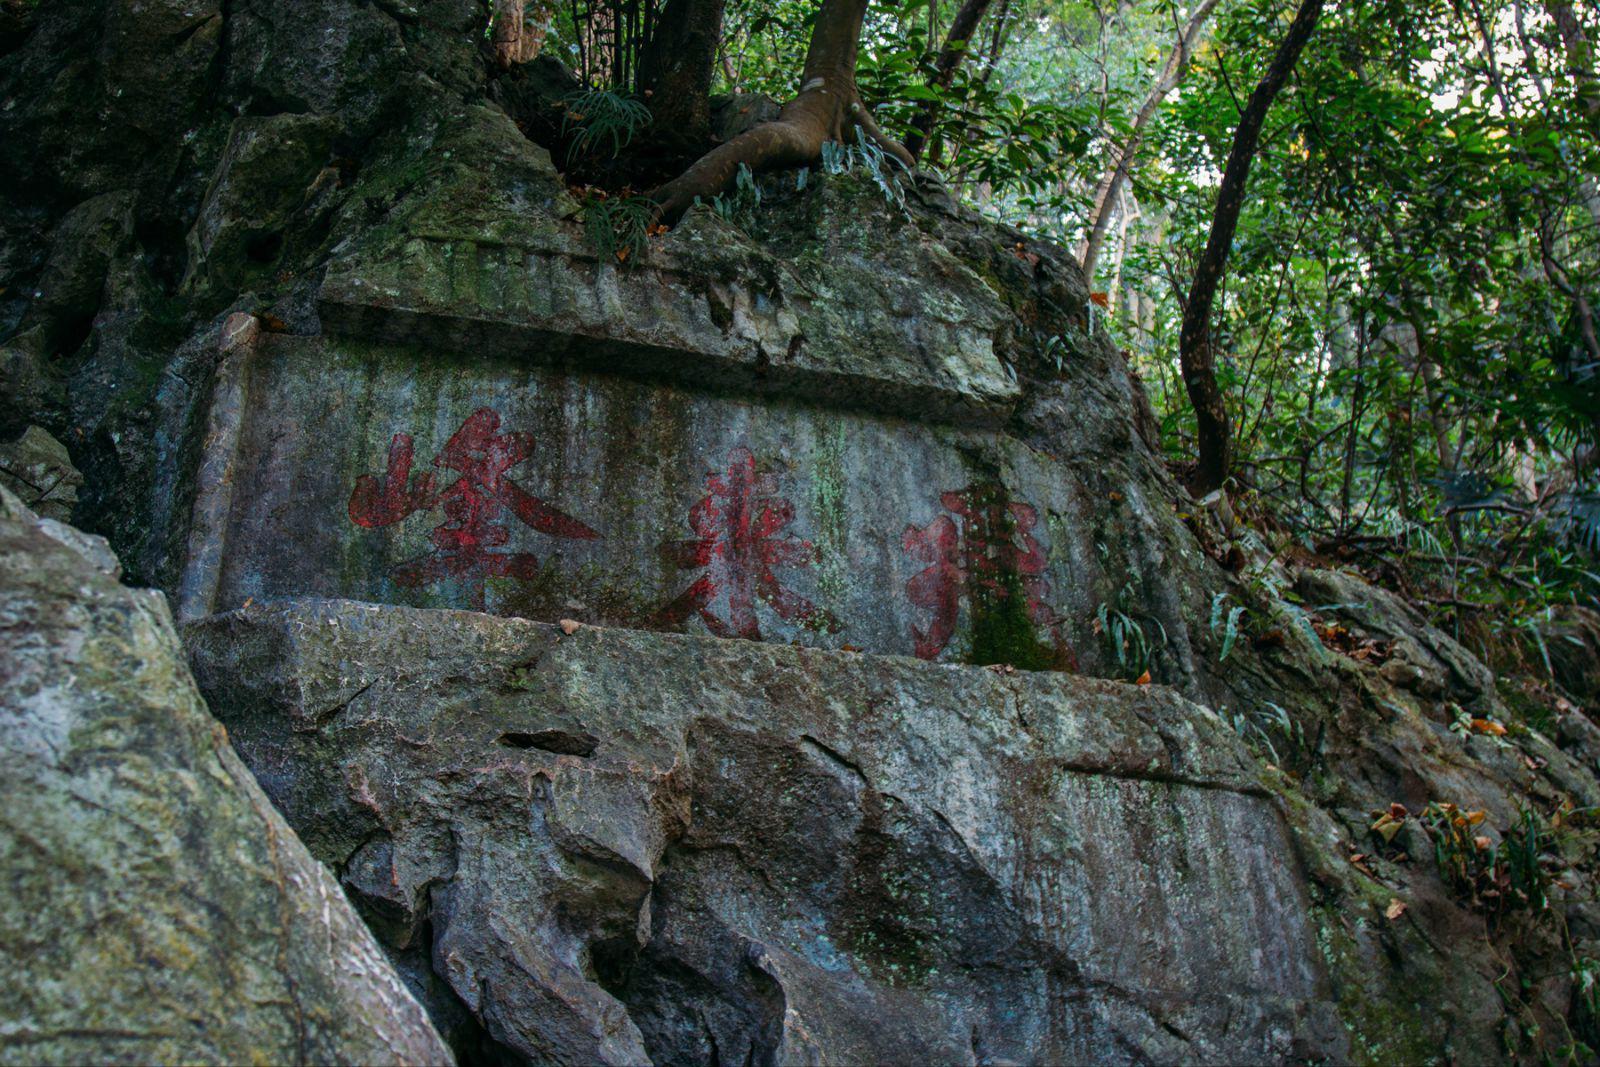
1141, 733
353, 303
208, 525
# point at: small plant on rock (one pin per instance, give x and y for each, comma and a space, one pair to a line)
601, 120
739, 205
1497, 879
617, 227
840, 158
1292, 751
1126, 642
1228, 623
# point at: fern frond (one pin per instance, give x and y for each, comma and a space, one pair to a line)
601, 116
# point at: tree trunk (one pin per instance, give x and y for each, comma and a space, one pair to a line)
997, 41
1580, 61
1195, 357
827, 107
956, 45
675, 69
1587, 187
1128, 213
520, 30
1106, 195
1555, 272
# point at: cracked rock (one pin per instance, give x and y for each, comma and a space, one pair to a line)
761, 853
157, 909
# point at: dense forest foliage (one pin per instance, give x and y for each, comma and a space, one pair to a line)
1403, 334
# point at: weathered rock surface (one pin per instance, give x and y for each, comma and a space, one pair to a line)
94, 550
37, 468
157, 908
610, 845
1423, 659
495, 418
328, 188
398, 475
467, 266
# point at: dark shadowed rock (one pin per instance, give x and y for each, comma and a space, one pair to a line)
157, 909
613, 844
269, 171
1571, 638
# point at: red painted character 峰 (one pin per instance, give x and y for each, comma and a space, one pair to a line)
991, 554
738, 521
468, 540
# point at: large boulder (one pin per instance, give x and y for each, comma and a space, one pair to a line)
157, 908
609, 845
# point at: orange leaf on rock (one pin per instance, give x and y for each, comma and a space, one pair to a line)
1388, 824
1143, 679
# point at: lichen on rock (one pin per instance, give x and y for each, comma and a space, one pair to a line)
158, 909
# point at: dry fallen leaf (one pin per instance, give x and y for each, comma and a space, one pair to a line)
1482, 843
1143, 679
1488, 726
1396, 908
569, 626
1388, 824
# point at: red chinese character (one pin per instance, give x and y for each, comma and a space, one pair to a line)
992, 553
465, 541
738, 522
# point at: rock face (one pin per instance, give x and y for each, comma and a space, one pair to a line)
727, 437
395, 475
610, 846
157, 908
37, 468
314, 316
